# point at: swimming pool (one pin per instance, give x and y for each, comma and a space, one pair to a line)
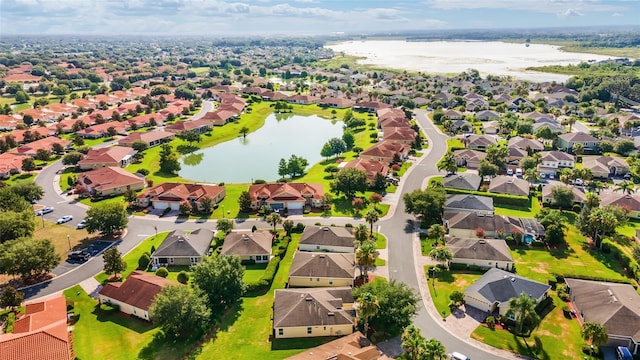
528, 239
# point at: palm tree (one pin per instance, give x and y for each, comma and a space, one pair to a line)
366, 257
523, 310
274, 219
435, 350
595, 186
437, 232
626, 186
413, 342
448, 163
532, 175
371, 217
441, 254
361, 234
368, 307
244, 130
594, 333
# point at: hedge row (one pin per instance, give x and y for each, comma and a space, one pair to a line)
498, 199
267, 277
560, 278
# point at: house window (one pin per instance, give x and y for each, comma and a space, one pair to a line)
317, 247
490, 263
309, 330
280, 332
330, 282
170, 260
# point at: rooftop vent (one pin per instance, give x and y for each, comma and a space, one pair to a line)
331, 314
322, 256
513, 278
325, 229
482, 242
308, 298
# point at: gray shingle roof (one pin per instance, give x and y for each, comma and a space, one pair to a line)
247, 243
465, 181
469, 203
480, 249
500, 285
180, 244
509, 185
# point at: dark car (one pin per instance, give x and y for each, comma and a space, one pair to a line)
79, 255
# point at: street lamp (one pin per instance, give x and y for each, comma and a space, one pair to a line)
223, 211
69, 242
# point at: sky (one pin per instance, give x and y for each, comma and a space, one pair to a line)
302, 17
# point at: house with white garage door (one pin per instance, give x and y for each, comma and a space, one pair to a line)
171, 195
291, 196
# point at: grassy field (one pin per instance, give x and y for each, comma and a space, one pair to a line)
447, 282
557, 337
200, 71
534, 209
575, 258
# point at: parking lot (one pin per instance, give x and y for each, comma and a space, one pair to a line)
95, 248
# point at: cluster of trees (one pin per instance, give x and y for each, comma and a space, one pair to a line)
418, 348
335, 146
294, 167
169, 163
427, 205
107, 218
599, 222
216, 286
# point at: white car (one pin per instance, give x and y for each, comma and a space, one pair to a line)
64, 219
46, 210
82, 224
578, 182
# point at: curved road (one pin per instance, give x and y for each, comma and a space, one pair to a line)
397, 226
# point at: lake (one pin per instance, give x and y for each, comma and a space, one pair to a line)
454, 57
257, 157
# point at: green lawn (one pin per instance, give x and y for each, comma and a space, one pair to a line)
200, 71
534, 209
447, 282
247, 336
381, 241
454, 143
555, 338
575, 258
20, 177
253, 273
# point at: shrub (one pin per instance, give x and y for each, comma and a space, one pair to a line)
183, 277
162, 272
491, 322
348, 225
144, 172
259, 181
143, 261
299, 229
165, 212
576, 208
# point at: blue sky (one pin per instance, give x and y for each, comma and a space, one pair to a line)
302, 17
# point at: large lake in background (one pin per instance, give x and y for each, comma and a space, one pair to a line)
257, 157
454, 57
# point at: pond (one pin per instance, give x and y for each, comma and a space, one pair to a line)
257, 157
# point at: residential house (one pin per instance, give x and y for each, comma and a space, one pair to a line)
485, 115
469, 203
325, 238
302, 99
319, 269
402, 135
369, 106
552, 124
590, 143
109, 181
10, 163
183, 248
615, 306
491, 127
527, 144
479, 142
312, 312
463, 181
40, 333
135, 295
462, 125
547, 192
469, 158
452, 114
629, 202
486, 253
291, 196
372, 168
103, 130
515, 155
273, 96
251, 246
171, 195
109, 156
552, 161
32, 148
509, 185
8, 122
151, 138
605, 166
386, 151
467, 224
497, 287
337, 103
200, 125
355, 346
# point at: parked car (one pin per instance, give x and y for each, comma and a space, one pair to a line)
64, 219
578, 182
79, 255
82, 224
45, 210
457, 356
627, 176
509, 172
624, 353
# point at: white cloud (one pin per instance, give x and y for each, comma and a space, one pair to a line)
616, 14
548, 6
569, 13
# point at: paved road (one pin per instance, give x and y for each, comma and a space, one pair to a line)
398, 227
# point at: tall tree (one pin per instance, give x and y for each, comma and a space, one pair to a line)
349, 182
27, 257
274, 219
220, 278
224, 225
562, 196
11, 298
371, 217
437, 232
179, 311
28, 190
244, 201
113, 262
169, 163
626, 187
107, 218
413, 342
368, 306
427, 205
397, 302
594, 333
523, 310
244, 131
361, 234
441, 254
448, 163
366, 256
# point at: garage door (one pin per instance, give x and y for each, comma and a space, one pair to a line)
295, 205
160, 205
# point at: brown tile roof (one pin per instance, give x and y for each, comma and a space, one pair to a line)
312, 307
108, 178
45, 143
399, 134
8, 122
148, 137
286, 191
350, 347
103, 129
245, 242
326, 265
181, 126
21, 78
11, 162
137, 290
386, 149
182, 192
371, 167
107, 155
